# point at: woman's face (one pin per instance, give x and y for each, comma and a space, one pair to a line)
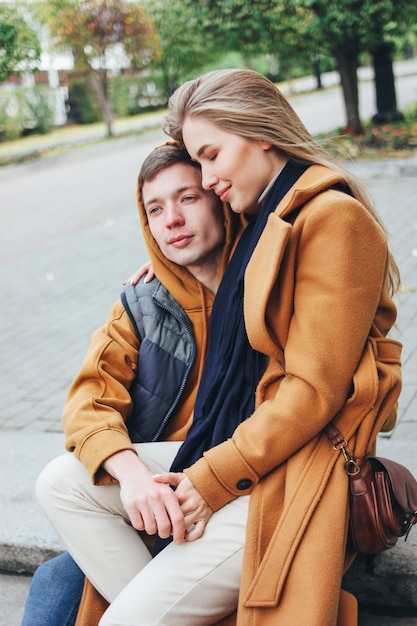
236, 168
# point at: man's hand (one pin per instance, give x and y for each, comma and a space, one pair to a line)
195, 509
151, 506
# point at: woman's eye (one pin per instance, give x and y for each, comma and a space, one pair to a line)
189, 198
154, 210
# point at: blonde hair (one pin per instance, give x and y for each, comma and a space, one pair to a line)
247, 104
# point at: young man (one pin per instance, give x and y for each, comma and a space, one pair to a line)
140, 376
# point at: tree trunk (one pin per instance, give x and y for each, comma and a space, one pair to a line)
99, 91
347, 65
317, 71
386, 99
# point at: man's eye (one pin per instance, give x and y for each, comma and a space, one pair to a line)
154, 210
189, 198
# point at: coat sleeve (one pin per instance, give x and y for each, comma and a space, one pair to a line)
318, 314
99, 401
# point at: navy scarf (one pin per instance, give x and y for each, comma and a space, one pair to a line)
226, 395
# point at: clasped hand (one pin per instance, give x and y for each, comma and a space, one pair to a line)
153, 506
194, 508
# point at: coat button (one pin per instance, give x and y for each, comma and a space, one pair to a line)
243, 484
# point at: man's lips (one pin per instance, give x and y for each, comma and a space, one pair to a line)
180, 241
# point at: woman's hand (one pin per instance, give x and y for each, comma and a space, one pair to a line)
145, 270
195, 509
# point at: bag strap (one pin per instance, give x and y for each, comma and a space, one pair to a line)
336, 439
339, 444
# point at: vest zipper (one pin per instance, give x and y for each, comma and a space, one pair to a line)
187, 371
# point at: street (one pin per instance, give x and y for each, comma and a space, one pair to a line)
44, 201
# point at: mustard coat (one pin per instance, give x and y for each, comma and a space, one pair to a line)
317, 302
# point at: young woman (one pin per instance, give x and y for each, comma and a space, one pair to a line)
298, 339
317, 279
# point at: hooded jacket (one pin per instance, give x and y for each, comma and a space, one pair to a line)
100, 401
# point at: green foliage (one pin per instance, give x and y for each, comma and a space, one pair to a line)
131, 95
186, 42
24, 110
19, 43
11, 115
296, 31
255, 27
364, 23
83, 106
40, 107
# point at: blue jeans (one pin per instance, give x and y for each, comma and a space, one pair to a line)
55, 593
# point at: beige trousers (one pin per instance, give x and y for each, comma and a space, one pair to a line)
192, 584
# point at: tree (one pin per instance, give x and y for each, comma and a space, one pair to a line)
252, 27
387, 23
386, 98
296, 29
19, 44
338, 24
97, 31
186, 44
351, 27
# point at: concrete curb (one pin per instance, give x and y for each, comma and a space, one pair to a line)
26, 537
390, 168
388, 579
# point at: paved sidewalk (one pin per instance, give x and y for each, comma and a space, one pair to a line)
30, 425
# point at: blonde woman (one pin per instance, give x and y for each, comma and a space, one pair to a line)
316, 283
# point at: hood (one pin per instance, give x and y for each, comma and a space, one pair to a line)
177, 279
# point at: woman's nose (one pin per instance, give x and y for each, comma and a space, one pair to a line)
208, 179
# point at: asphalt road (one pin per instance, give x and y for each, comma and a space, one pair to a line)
323, 111
44, 201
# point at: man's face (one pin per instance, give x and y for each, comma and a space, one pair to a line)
186, 221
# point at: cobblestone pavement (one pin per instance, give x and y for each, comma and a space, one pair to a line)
57, 294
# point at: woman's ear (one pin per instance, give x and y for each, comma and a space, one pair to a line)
266, 145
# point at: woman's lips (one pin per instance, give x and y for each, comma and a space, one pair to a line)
223, 193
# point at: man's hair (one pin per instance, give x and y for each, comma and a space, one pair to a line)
162, 157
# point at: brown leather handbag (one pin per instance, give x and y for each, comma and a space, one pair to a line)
382, 499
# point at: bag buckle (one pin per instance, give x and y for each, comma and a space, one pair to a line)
351, 467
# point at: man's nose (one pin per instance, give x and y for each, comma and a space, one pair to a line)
174, 215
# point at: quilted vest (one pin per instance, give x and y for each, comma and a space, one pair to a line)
166, 355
